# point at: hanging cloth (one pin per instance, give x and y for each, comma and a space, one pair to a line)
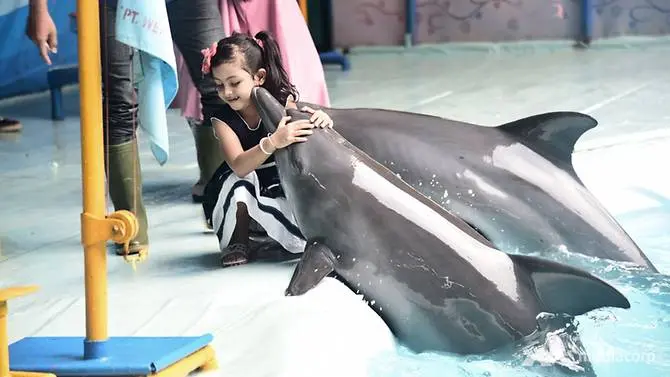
144, 25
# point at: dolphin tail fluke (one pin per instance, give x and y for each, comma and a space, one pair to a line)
316, 263
566, 289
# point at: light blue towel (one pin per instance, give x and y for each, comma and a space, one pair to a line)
144, 25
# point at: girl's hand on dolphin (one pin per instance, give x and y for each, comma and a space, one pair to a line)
319, 117
290, 133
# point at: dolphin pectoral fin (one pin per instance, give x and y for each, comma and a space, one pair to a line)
566, 289
315, 264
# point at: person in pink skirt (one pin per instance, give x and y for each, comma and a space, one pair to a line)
301, 61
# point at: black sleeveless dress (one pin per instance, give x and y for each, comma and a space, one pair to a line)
249, 137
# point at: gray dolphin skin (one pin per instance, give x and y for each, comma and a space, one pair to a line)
514, 183
437, 283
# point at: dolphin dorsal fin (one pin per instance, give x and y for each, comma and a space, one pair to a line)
566, 289
552, 135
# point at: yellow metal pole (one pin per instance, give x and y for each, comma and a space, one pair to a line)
93, 178
4, 346
303, 8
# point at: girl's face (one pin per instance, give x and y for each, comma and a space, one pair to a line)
234, 84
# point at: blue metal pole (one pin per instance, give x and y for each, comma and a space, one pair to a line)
587, 22
332, 56
410, 19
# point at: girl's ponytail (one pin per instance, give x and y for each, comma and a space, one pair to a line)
277, 81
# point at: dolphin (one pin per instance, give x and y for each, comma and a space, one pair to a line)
514, 183
437, 283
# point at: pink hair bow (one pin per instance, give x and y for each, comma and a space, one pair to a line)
258, 42
207, 55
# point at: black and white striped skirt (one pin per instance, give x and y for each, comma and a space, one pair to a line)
264, 198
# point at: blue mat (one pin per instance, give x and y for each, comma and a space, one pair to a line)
64, 356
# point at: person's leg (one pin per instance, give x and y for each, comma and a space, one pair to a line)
238, 248
120, 125
208, 155
195, 25
234, 250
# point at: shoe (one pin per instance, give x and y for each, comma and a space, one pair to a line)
235, 255
125, 189
10, 125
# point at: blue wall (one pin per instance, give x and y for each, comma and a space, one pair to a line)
22, 70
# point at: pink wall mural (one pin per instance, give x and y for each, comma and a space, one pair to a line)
382, 22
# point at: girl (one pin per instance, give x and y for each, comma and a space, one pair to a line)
299, 56
247, 183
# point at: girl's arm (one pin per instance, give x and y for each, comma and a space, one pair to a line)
240, 161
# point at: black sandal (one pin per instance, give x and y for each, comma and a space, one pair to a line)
239, 250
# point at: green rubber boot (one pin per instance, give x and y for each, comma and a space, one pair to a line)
209, 156
125, 189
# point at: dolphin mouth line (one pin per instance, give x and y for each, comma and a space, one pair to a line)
317, 181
